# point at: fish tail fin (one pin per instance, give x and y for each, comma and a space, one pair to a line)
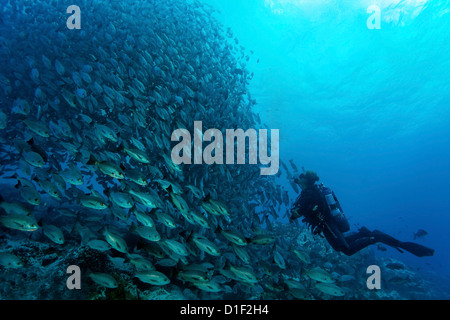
107, 192
18, 184
207, 198
140, 244
218, 229
304, 270
187, 237
14, 176
127, 259
104, 229
75, 223
227, 265
30, 142
132, 228
173, 276
125, 187
78, 157
121, 146
92, 161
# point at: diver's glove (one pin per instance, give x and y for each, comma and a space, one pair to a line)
294, 215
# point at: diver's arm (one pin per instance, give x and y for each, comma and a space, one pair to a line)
298, 207
304, 204
295, 211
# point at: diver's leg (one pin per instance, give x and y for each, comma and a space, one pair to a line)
358, 241
361, 233
385, 238
364, 237
356, 244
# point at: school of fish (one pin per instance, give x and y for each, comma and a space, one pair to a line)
86, 119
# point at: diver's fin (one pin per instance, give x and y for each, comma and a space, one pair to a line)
417, 249
383, 237
401, 251
414, 248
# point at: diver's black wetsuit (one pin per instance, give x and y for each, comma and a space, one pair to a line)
312, 206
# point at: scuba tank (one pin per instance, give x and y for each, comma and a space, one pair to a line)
335, 210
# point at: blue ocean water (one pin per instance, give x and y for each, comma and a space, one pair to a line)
90, 112
367, 109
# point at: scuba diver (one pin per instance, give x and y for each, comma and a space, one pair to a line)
321, 210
